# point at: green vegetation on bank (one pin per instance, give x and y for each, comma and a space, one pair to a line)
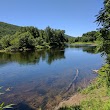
87, 38
17, 38
97, 94
28, 38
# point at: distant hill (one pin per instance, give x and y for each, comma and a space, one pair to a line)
68, 36
6, 29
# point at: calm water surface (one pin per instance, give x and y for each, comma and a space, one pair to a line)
40, 79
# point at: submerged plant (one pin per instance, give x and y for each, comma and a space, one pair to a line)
2, 105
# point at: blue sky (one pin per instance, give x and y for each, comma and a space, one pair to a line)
74, 16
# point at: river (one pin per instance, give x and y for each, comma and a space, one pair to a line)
40, 79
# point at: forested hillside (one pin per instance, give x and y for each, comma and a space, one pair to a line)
6, 29
14, 38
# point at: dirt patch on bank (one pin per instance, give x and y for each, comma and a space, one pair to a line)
74, 100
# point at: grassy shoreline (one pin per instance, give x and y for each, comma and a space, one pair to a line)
42, 47
95, 97
85, 43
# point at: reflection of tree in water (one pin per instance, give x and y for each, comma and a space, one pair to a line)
54, 55
31, 57
90, 49
22, 58
87, 48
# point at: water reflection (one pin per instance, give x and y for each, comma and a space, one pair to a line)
39, 79
87, 48
92, 50
32, 57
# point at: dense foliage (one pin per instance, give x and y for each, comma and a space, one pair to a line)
103, 18
31, 38
86, 37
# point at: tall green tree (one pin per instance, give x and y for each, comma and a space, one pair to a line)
5, 41
103, 18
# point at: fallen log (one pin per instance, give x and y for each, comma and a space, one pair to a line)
70, 85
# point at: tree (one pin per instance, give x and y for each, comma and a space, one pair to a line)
5, 41
26, 40
23, 40
103, 18
33, 30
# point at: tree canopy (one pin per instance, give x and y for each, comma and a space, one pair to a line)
86, 37
103, 18
31, 37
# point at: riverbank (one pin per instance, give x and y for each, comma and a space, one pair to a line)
84, 43
95, 97
37, 48
47, 47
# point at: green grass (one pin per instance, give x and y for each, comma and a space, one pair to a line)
86, 43
83, 43
97, 94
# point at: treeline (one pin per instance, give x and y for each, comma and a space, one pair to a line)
17, 38
86, 37
33, 38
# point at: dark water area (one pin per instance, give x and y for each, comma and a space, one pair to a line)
39, 79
